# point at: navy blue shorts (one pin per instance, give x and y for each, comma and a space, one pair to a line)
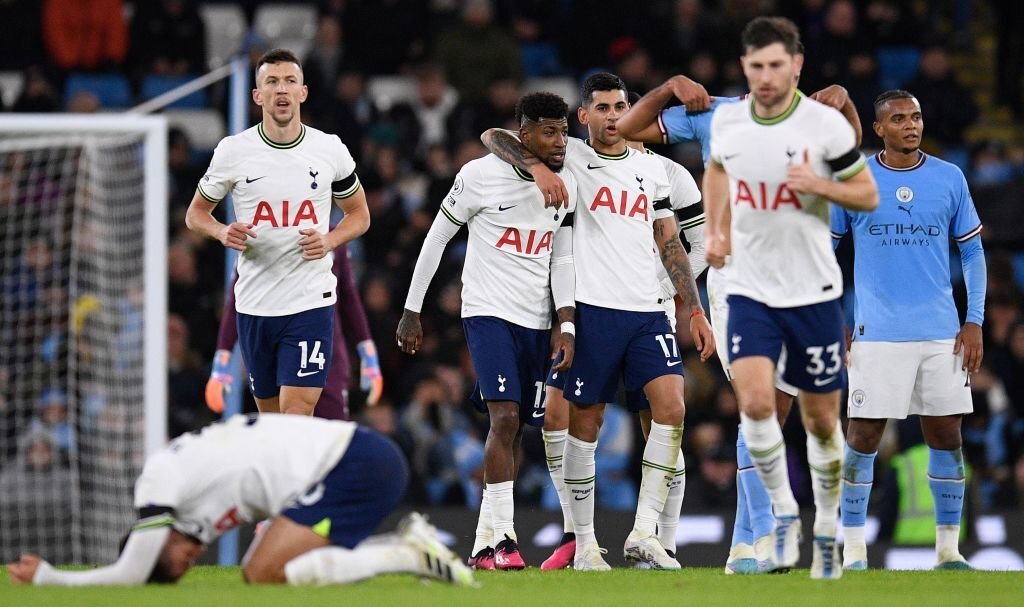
510, 363
813, 336
292, 350
365, 486
612, 344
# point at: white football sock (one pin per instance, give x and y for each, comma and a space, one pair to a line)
579, 483
657, 474
554, 450
484, 526
768, 452
825, 458
502, 509
338, 565
668, 520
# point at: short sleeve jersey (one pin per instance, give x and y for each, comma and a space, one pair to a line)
615, 253
685, 193
781, 246
281, 189
901, 265
507, 268
241, 470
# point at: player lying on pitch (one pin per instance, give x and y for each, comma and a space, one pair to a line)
325, 485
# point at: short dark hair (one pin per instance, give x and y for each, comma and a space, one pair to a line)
765, 31
535, 106
275, 56
601, 81
887, 96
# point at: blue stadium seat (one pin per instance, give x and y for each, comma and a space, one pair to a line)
112, 90
154, 85
897, 65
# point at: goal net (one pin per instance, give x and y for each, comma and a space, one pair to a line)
82, 328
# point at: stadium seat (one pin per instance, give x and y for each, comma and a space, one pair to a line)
386, 91
153, 86
225, 30
11, 84
563, 86
897, 65
286, 24
112, 90
205, 128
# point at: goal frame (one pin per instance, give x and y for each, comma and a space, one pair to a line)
155, 224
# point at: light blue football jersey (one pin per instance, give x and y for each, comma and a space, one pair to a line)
903, 290
677, 124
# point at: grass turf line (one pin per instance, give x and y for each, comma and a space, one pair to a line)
223, 587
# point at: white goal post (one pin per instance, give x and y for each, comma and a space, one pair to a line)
83, 243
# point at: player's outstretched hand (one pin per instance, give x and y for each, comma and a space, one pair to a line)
969, 340
551, 186
220, 381
716, 248
371, 380
692, 94
234, 236
832, 96
703, 336
24, 570
313, 243
565, 344
410, 333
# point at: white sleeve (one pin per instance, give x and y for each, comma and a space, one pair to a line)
132, 568
698, 259
841, 153
563, 269
663, 192
441, 231
218, 180
715, 151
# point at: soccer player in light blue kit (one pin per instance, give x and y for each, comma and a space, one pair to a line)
910, 356
647, 121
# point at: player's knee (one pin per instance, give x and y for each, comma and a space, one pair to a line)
261, 572
505, 423
756, 404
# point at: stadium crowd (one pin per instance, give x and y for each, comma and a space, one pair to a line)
469, 62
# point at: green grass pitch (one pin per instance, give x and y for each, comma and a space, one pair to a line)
223, 587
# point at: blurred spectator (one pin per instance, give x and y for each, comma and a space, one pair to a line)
385, 51
1009, 22
712, 480
537, 53
190, 299
320, 68
83, 102
692, 28
38, 93
423, 119
168, 38
349, 113
829, 53
475, 52
948, 105
52, 420
632, 62
614, 458
184, 174
186, 381
891, 23
85, 34
19, 34
991, 167
497, 110
862, 85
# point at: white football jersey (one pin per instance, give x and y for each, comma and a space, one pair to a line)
685, 193
781, 246
281, 189
240, 471
616, 257
508, 258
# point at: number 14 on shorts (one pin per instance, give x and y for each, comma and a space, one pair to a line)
311, 356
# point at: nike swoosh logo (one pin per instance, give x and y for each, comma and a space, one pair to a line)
247, 180
538, 414
730, 157
306, 373
672, 364
592, 167
501, 208
819, 383
580, 499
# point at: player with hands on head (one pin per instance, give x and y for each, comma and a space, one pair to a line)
909, 355
283, 177
519, 261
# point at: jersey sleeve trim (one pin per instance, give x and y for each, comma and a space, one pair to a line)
346, 187
664, 203
853, 169
969, 235
207, 196
687, 223
569, 220
662, 128
837, 235
451, 217
153, 522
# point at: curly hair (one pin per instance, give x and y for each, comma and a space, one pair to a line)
539, 105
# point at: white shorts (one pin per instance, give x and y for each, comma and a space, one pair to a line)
891, 380
719, 311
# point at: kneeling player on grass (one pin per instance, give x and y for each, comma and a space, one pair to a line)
325, 485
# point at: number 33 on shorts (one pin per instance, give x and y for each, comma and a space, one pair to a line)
824, 363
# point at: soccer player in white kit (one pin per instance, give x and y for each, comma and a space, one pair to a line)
909, 355
326, 484
776, 162
624, 222
519, 260
283, 177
